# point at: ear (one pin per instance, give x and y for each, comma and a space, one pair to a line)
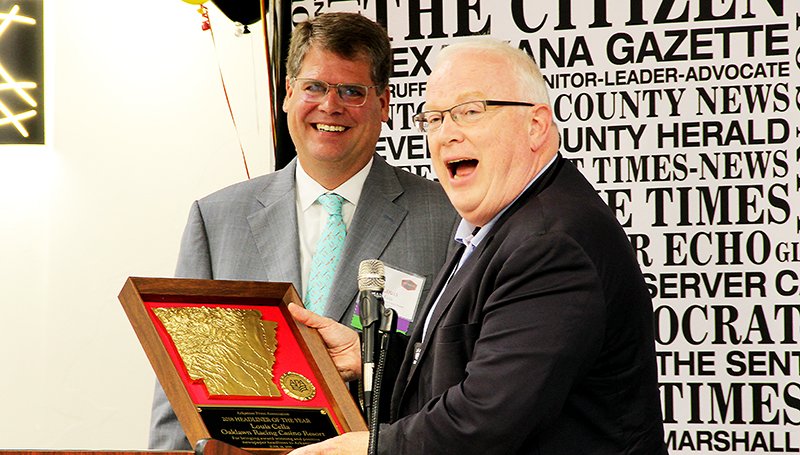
540, 125
384, 99
289, 92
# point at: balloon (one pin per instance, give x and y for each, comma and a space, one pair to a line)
245, 12
195, 2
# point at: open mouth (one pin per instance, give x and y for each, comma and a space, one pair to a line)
330, 128
461, 168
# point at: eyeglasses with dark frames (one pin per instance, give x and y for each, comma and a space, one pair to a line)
462, 114
314, 91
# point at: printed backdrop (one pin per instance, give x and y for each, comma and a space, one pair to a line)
685, 115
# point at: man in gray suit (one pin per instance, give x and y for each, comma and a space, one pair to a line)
266, 229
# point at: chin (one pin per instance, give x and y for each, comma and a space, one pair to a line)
468, 215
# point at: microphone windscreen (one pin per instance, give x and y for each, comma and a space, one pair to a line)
370, 275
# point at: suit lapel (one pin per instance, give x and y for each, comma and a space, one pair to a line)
436, 289
449, 290
408, 367
274, 228
375, 222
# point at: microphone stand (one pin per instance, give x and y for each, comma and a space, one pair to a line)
388, 324
370, 320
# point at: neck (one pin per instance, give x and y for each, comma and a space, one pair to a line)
331, 175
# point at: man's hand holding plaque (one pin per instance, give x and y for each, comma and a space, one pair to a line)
341, 341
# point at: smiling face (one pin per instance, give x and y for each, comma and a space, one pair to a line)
485, 165
334, 141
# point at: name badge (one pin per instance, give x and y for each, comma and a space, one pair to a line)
402, 292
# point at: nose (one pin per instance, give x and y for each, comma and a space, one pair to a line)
449, 131
331, 101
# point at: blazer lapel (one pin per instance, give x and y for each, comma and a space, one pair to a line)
436, 289
274, 228
408, 367
375, 222
448, 290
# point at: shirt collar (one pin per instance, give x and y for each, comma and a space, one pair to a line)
465, 228
308, 189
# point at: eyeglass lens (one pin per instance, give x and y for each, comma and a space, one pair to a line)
467, 112
314, 90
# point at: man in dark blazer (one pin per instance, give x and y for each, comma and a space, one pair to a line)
264, 229
538, 332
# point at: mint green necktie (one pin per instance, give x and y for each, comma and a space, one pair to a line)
326, 258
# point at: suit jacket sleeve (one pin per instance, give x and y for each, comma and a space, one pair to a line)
529, 317
194, 258
166, 432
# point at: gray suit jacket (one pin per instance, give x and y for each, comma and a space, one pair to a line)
248, 231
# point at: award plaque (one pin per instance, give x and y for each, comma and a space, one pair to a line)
234, 364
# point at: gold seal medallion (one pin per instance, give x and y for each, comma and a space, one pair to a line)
297, 386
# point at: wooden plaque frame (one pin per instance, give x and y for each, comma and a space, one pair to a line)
140, 295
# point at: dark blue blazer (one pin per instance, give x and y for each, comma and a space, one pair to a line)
542, 343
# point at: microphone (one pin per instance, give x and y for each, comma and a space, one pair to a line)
370, 285
378, 323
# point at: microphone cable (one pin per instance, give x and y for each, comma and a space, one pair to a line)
387, 326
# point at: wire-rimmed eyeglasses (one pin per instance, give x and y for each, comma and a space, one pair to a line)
314, 91
463, 114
